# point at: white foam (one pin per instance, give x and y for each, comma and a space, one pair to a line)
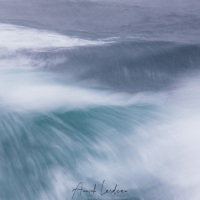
15, 37
34, 90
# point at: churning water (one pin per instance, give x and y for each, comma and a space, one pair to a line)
93, 91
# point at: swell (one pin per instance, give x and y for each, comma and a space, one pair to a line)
122, 64
131, 66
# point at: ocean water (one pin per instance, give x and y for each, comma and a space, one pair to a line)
99, 93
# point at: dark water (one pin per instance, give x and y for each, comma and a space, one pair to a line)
99, 90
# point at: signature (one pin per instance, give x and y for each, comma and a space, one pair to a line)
79, 189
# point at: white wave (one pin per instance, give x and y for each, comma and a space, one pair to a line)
15, 37
34, 90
